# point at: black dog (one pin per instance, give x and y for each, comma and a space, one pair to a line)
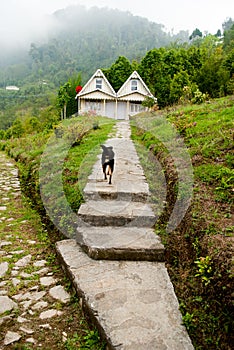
107, 161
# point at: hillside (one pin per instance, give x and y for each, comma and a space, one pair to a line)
199, 251
81, 40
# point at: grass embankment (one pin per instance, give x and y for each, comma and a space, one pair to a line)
21, 228
199, 251
54, 165
68, 154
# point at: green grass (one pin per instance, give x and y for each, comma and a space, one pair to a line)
90, 340
199, 251
80, 152
54, 168
220, 177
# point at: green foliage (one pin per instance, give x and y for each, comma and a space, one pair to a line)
188, 321
228, 40
199, 97
196, 33
68, 154
149, 102
221, 177
89, 341
199, 252
66, 101
168, 70
119, 72
204, 269
15, 131
179, 81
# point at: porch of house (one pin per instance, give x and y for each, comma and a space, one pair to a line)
115, 109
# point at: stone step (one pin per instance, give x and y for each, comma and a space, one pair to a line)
120, 243
128, 181
132, 303
124, 190
117, 213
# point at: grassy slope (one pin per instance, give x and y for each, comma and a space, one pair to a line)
22, 226
84, 143
199, 252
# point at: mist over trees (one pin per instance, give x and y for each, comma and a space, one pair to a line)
81, 40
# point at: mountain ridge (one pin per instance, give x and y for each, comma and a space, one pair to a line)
81, 40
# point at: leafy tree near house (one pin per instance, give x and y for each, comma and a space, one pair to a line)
179, 81
66, 101
153, 71
213, 77
119, 72
63, 99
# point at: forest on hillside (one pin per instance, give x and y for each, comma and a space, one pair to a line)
82, 40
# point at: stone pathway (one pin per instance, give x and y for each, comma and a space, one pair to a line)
31, 293
116, 261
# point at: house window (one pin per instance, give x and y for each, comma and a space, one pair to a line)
136, 107
133, 85
98, 83
93, 106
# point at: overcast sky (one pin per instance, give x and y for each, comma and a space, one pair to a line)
20, 19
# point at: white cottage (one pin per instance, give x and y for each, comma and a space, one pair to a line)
99, 96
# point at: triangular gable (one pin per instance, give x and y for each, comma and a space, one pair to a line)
91, 86
141, 87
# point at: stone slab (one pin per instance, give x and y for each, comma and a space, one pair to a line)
117, 213
3, 268
132, 303
128, 181
120, 243
124, 190
6, 304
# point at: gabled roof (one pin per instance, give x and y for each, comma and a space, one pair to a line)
90, 86
126, 87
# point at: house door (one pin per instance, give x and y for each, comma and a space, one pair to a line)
122, 110
110, 109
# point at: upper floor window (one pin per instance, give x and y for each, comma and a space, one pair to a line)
134, 85
99, 83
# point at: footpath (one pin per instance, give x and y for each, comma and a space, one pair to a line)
36, 311
116, 261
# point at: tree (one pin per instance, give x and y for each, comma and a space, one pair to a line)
179, 81
213, 77
63, 99
227, 25
196, 33
66, 97
228, 39
119, 72
218, 34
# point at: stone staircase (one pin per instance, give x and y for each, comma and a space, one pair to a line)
116, 261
